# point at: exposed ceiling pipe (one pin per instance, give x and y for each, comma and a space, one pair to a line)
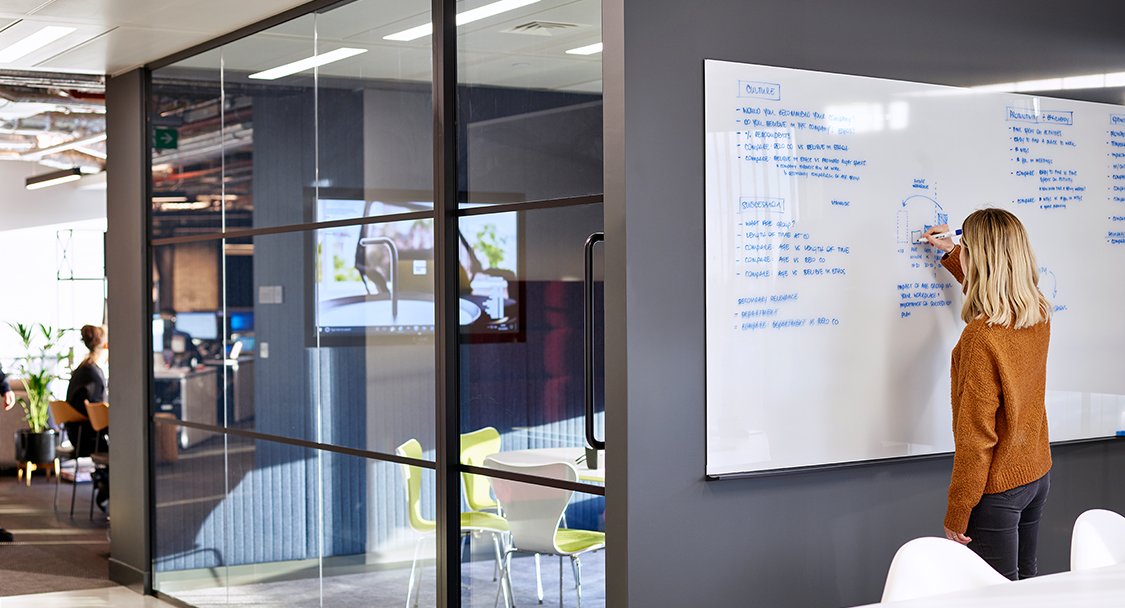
70, 145
54, 80
82, 104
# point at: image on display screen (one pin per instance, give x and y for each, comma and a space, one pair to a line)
198, 325
377, 279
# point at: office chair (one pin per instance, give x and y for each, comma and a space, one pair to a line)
1098, 540
473, 522
534, 512
65, 415
99, 419
932, 566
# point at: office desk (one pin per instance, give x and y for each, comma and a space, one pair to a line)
549, 455
188, 394
1097, 588
239, 385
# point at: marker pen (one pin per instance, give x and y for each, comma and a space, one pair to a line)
943, 235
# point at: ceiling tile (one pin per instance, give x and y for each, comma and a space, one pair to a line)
119, 12
213, 16
121, 49
27, 27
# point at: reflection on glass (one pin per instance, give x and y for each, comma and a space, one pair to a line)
187, 336
243, 521
188, 141
190, 486
374, 279
529, 104
525, 566
530, 384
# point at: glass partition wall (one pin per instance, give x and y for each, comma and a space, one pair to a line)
308, 400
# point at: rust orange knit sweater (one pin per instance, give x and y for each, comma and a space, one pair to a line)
999, 378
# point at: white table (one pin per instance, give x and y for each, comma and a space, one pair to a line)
549, 455
1097, 588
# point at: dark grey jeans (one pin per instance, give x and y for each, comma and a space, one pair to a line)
1005, 528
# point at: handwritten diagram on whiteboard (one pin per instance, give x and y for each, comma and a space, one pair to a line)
829, 327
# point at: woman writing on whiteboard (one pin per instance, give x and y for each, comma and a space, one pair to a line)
1002, 458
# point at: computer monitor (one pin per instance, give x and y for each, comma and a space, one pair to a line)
157, 334
240, 322
198, 325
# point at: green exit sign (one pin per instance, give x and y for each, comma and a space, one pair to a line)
165, 138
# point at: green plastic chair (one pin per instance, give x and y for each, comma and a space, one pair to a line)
472, 523
475, 447
534, 512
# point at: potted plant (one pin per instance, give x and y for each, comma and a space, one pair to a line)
37, 368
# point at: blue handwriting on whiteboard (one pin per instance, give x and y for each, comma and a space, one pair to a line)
772, 205
761, 90
1040, 117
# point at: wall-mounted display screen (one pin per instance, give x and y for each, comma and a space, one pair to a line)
377, 279
199, 325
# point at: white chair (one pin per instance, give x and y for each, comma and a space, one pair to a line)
932, 566
1098, 540
534, 512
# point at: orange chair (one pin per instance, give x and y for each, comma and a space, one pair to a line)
66, 415
99, 419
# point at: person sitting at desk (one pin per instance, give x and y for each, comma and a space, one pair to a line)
179, 349
87, 385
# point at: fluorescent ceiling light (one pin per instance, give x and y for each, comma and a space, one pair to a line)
589, 49
489, 10
469, 16
34, 42
1007, 87
1093, 81
306, 64
53, 178
1047, 84
412, 33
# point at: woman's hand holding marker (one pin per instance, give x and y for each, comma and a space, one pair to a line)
945, 244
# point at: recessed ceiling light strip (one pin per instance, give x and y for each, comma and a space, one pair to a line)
34, 42
589, 49
469, 16
306, 64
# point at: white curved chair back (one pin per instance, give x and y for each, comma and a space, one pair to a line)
1098, 540
932, 566
533, 512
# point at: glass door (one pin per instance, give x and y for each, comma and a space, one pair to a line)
529, 115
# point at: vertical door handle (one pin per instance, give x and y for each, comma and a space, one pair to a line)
588, 326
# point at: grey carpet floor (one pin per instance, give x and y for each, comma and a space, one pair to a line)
51, 552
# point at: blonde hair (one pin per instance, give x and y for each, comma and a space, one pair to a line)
1002, 277
94, 338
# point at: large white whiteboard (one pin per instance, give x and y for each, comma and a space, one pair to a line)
828, 332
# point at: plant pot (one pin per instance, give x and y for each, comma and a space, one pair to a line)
36, 447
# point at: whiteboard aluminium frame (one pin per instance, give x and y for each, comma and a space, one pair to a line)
831, 466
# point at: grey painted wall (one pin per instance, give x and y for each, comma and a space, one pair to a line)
812, 539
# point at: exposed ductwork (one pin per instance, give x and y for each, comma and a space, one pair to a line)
55, 120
